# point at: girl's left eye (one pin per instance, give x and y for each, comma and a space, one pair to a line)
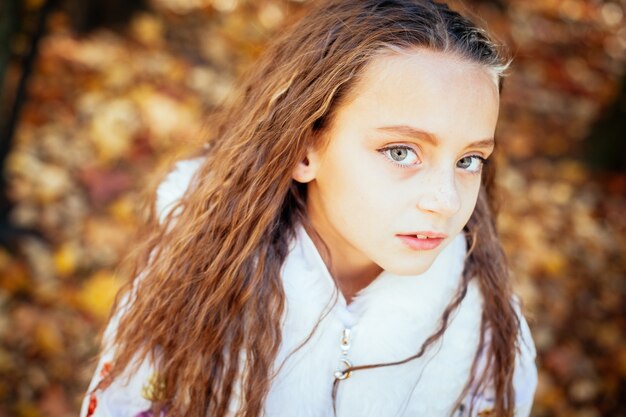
401, 155
472, 163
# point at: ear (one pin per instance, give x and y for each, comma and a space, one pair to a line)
306, 170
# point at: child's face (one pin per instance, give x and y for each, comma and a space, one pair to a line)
382, 178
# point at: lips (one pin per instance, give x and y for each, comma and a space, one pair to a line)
426, 235
422, 240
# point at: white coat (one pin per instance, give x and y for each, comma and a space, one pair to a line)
386, 321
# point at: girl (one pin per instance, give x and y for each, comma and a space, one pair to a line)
333, 251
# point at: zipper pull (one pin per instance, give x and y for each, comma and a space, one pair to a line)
344, 363
345, 341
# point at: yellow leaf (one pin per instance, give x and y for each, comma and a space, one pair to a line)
123, 210
48, 338
113, 127
65, 260
553, 262
148, 29
98, 293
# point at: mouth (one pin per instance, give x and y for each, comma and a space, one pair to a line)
422, 240
425, 235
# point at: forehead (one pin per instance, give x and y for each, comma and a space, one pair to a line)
421, 67
434, 91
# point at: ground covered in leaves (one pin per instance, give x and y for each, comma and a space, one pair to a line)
107, 109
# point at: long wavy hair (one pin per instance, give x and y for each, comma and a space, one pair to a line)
207, 283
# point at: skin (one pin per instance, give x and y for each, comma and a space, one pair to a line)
369, 183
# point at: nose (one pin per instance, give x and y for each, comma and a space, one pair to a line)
438, 193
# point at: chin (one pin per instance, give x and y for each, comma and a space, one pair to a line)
410, 268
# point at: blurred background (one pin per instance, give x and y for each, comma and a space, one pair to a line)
98, 95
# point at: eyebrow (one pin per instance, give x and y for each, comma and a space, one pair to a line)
431, 138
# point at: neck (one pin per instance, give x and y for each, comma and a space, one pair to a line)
351, 281
350, 272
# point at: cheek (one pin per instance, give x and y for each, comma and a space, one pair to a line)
469, 196
353, 190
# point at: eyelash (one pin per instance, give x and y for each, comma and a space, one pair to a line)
484, 161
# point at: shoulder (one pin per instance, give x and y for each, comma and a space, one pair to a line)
176, 182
